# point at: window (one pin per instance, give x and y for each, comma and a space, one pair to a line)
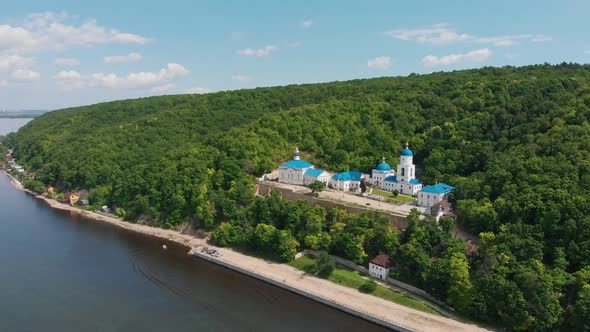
403, 171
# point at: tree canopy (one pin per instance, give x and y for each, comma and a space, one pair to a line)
515, 142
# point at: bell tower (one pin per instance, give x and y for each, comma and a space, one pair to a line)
406, 170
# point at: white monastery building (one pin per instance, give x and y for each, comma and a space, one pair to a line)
432, 195
347, 181
380, 266
405, 181
301, 172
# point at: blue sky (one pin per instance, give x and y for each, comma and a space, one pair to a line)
60, 53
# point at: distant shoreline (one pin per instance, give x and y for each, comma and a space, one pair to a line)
364, 306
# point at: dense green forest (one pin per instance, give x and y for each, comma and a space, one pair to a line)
515, 142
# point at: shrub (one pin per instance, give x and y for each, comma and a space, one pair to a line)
368, 287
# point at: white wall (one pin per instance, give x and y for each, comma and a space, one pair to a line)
324, 178
292, 175
379, 176
429, 199
378, 271
403, 188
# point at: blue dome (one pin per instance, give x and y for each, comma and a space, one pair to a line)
383, 167
407, 152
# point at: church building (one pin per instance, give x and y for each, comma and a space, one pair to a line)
405, 181
300, 172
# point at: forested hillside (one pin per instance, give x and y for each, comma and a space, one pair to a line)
514, 141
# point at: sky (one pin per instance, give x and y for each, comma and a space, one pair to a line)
63, 53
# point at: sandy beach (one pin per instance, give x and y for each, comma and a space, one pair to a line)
281, 274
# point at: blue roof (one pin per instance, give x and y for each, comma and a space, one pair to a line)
407, 152
383, 167
390, 178
415, 181
348, 176
314, 172
439, 188
296, 164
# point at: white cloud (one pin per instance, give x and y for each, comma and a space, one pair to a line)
3, 83
587, 51
509, 40
11, 62
268, 49
443, 33
49, 31
380, 62
131, 57
67, 62
292, 44
67, 74
437, 34
25, 75
198, 90
541, 38
306, 24
242, 78
73, 79
473, 56
163, 88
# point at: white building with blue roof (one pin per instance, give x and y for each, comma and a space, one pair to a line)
431, 195
405, 181
313, 174
300, 172
380, 173
347, 181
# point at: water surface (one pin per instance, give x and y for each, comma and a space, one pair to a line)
62, 272
10, 125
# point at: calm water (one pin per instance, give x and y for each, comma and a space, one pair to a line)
10, 125
61, 272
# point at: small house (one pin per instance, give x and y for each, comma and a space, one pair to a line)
73, 198
380, 266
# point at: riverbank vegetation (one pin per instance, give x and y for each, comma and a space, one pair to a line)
513, 141
353, 279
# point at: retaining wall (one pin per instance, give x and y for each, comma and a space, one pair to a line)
328, 302
265, 189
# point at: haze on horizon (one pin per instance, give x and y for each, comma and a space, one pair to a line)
62, 54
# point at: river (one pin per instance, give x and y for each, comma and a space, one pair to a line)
62, 272
8, 125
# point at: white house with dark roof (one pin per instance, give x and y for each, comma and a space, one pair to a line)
405, 181
431, 195
380, 266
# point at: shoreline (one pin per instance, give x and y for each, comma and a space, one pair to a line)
367, 307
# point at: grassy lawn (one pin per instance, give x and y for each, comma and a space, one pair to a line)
354, 279
399, 198
304, 263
